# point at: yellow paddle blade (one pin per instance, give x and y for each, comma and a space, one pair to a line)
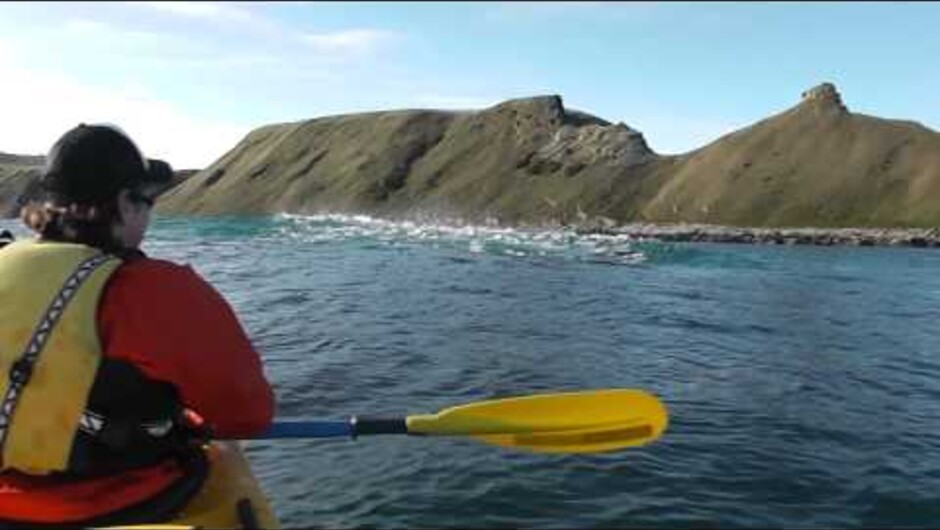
571, 422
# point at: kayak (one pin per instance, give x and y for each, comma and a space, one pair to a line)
230, 498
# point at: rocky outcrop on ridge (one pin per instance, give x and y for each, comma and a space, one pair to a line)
573, 148
825, 98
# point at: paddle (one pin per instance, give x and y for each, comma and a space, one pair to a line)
572, 422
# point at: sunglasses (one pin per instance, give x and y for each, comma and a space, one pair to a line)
139, 197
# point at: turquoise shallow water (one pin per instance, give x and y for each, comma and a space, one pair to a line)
803, 383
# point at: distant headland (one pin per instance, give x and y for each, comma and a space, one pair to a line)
815, 173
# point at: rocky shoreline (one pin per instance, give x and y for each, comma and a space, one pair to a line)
891, 237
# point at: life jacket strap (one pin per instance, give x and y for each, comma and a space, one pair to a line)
22, 369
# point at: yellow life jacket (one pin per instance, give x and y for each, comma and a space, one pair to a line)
50, 293
72, 419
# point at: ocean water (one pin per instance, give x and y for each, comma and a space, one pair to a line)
803, 383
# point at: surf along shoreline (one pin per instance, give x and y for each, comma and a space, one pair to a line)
924, 237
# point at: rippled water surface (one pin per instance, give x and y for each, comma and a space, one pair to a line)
803, 383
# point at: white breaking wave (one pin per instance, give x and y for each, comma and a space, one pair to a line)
474, 239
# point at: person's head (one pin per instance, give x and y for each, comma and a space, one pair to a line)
99, 189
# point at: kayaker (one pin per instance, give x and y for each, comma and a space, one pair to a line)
114, 366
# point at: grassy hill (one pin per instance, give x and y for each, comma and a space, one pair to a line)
526, 160
815, 164
532, 161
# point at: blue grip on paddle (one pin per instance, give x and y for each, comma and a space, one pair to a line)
306, 429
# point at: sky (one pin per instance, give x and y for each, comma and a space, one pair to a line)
188, 80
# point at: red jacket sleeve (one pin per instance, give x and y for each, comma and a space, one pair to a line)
177, 328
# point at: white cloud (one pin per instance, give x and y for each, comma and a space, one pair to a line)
205, 10
94, 29
6, 52
513, 11
352, 41
84, 26
297, 72
552, 7
265, 35
41, 105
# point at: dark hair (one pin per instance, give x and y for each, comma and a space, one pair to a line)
75, 223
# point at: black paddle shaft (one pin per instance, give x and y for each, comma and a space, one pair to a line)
377, 426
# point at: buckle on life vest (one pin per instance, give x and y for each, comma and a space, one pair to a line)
117, 433
21, 371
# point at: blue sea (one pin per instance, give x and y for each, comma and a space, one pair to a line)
803, 383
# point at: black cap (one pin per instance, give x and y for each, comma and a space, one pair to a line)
91, 164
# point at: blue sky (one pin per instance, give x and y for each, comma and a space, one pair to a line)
189, 79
